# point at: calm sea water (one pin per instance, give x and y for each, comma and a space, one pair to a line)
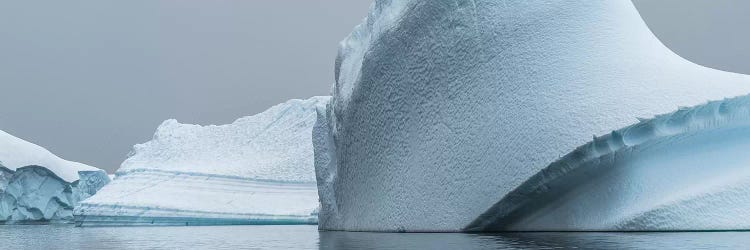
308, 237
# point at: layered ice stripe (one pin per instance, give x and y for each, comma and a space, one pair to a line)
153, 197
256, 170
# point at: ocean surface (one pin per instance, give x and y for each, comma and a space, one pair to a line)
308, 237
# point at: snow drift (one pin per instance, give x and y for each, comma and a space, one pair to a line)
36, 185
257, 170
442, 108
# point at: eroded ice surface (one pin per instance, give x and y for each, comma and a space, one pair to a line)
325, 168
36, 185
686, 170
256, 170
441, 108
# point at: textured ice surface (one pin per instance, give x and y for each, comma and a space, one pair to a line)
441, 108
686, 170
325, 169
32, 187
257, 170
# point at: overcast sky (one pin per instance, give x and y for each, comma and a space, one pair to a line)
87, 79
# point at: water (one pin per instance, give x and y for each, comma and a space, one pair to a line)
308, 237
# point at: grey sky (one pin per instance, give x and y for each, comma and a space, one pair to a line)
87, 79
713, 33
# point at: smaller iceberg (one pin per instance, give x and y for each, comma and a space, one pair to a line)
37, 186
256, 170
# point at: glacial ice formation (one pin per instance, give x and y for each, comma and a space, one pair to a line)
442, 108
686, 170
36, 185
325, 167
257, 170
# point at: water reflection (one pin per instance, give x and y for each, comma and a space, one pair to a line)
308, 237
546, 240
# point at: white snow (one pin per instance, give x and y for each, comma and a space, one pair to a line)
441, 108
37, 185
256, 170
16, 153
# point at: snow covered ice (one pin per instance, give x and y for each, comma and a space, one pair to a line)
36, 185
441, 109
256, 170
686, 170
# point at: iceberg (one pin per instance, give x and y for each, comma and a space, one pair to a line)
444, 113
38, 186
257, 170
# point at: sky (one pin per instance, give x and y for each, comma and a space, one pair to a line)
88, 79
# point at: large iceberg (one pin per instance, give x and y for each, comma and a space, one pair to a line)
442, 108
36, 185
256, 170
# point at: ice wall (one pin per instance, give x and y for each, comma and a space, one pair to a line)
256, 170
325, 169
36, 185
441, 108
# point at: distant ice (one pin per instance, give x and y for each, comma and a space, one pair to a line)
36, 185
16, 153
256, 170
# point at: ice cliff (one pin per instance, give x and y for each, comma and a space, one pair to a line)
441, 109
36, 185
256, 170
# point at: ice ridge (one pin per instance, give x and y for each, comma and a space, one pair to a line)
684, 170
